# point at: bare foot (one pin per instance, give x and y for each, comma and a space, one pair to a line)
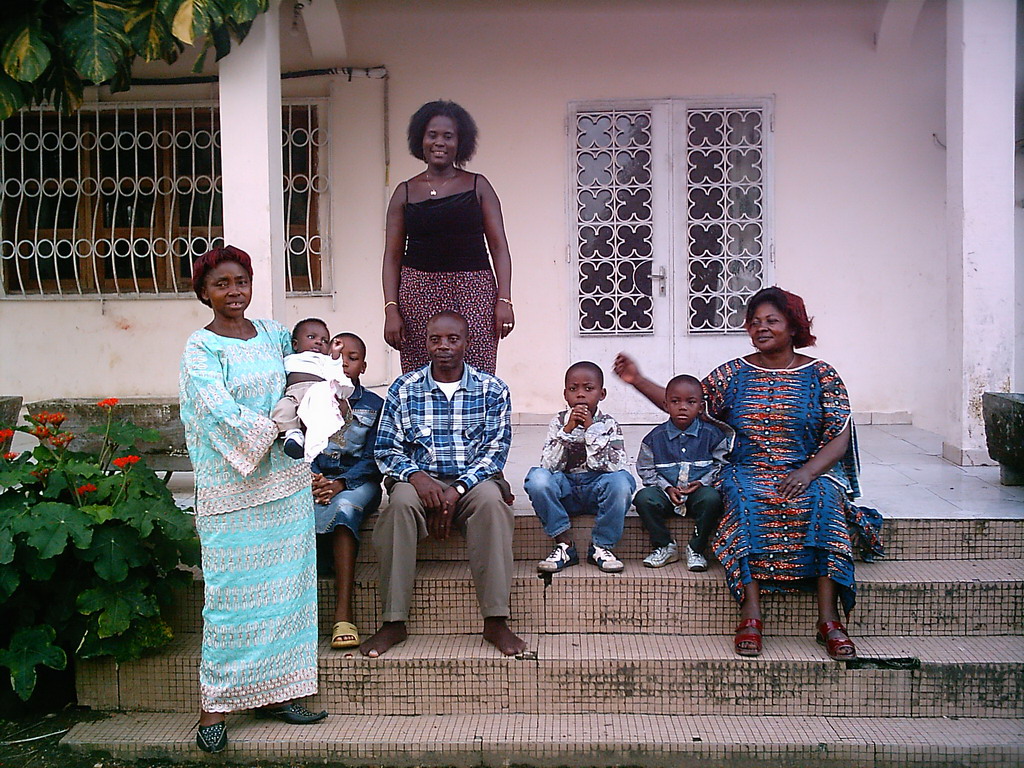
390, 633
497, 633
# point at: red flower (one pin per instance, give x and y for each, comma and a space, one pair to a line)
125, 461
6, 434
84, 489
10, 456
62, 439
110, 402
41, 432
40, 474
56, 419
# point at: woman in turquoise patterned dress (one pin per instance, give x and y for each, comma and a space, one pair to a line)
254, 511
789, 521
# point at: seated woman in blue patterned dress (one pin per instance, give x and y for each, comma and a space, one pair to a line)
789, 521
254, 511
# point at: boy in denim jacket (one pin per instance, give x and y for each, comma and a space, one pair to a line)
346, 485
678, 463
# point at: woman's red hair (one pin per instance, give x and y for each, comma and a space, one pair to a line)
792, 307
202, 266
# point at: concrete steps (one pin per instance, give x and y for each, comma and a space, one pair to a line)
905, 538
921, 597
660, 674
634, 668
746, 739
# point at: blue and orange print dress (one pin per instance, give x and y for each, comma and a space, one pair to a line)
782, 418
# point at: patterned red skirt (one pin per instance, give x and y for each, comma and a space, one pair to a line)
421, 295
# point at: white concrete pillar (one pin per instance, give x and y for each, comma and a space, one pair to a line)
250, 124
980, 54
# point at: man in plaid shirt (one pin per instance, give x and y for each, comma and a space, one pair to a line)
444, 436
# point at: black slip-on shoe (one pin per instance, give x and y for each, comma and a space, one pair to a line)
212, 738
293, 714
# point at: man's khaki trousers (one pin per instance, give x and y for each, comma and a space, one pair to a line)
484, 519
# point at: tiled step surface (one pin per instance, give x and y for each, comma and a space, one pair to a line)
920, 597
746, 739
576, 674
905, 539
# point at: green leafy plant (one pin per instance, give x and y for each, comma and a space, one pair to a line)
91, 548
50, 50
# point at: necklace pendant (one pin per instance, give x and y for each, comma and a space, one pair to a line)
433, 193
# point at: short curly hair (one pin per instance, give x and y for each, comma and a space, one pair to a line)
464, 124
793, 309
222, 253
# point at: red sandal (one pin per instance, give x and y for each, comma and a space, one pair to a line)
833, 645
745, 634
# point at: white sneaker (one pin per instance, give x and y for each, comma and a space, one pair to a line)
694, 561
562, 556
604, 559
662, 556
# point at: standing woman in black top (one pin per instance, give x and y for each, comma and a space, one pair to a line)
444, 235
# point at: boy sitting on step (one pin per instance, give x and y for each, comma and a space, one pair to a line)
346, 486
678, 462
583, 470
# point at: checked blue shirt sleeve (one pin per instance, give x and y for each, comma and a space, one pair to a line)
389, 450
492, 452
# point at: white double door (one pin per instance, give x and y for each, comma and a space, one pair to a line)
665, 345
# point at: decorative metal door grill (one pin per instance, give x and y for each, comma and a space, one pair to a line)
725, 211
120, 199
614, 221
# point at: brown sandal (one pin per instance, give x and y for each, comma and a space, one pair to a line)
745, 634
833, 645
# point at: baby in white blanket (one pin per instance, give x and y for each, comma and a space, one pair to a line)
316, 396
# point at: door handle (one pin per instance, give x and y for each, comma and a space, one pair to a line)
662, 277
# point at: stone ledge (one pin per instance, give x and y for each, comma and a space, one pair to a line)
574, 740
666, 674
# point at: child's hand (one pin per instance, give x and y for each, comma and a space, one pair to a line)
586, 417
336, 348
689, 488
576, 418
676, 495
626, 368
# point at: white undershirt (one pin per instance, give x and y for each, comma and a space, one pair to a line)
448, 387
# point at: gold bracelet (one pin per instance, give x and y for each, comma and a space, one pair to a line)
507, 301
388, 304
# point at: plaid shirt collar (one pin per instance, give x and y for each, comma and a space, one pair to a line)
467, 372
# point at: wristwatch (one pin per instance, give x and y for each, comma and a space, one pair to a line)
460, 487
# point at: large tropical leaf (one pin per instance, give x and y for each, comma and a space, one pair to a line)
26, 54
150, 35
118, 605
13, 95
113, 551
95, 40
194, 18
244, 11
9, 581
31, 647
51, 524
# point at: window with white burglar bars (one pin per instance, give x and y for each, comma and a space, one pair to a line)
119, 200
718, 212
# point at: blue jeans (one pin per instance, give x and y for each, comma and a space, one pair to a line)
557, 496
348, 508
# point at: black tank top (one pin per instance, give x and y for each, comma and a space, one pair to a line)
445, 234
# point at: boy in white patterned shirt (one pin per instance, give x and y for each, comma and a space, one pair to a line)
583, 470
